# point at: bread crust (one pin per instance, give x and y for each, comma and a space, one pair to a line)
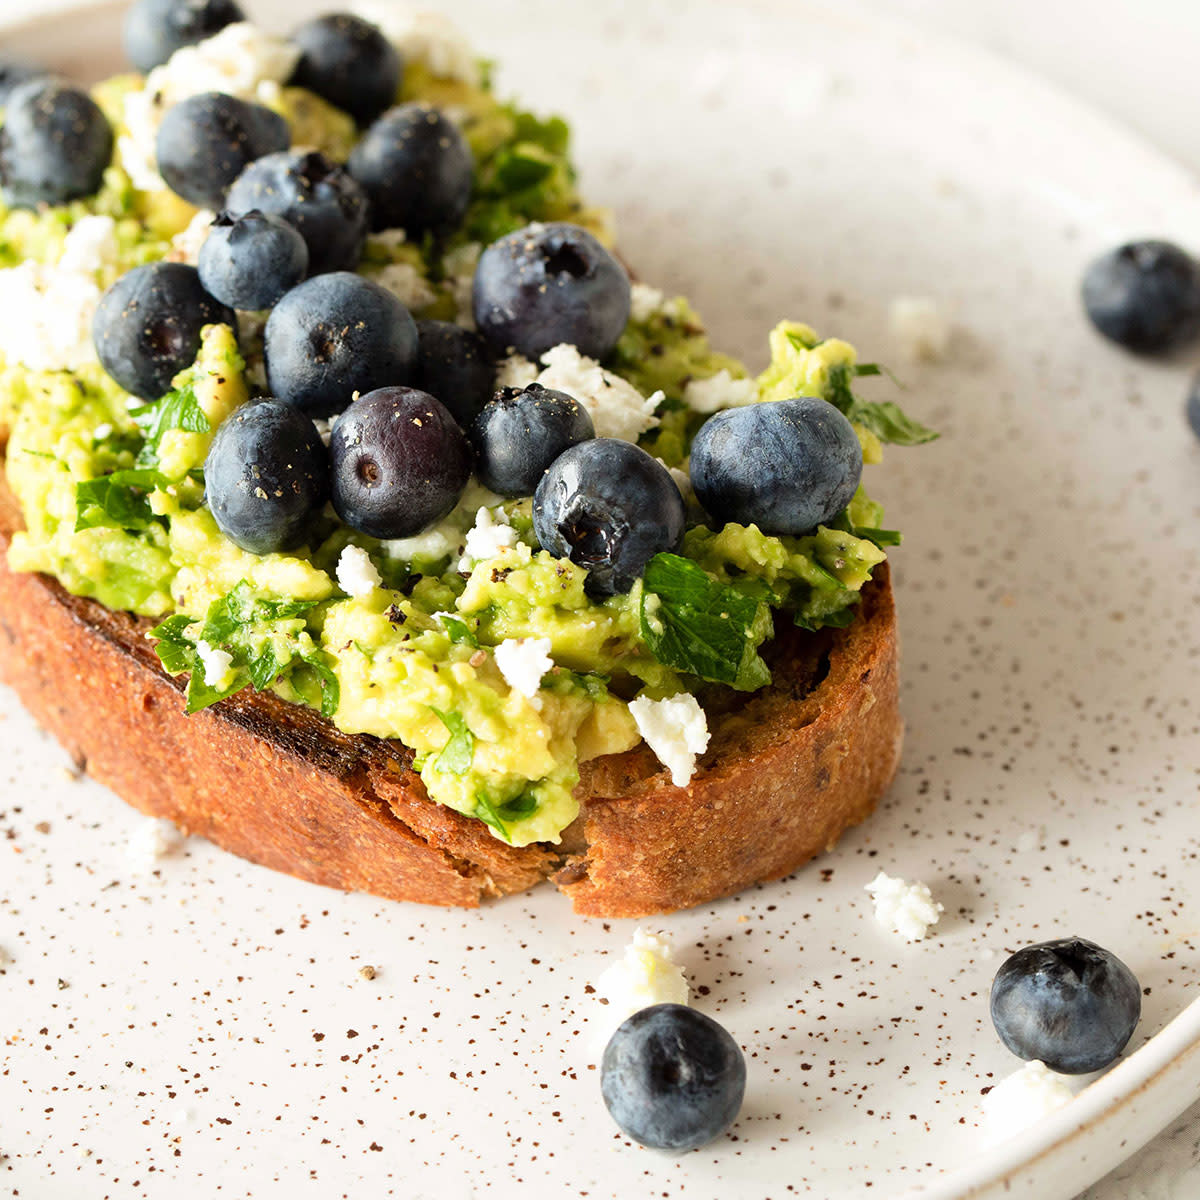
787, 770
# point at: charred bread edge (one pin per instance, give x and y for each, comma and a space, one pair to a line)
275, 783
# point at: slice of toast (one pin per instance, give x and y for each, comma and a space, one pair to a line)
787, 770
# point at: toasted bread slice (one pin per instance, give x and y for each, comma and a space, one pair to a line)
787, 769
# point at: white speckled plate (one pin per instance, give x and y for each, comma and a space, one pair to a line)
203, 1030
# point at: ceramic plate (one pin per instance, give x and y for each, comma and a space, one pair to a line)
203, 1029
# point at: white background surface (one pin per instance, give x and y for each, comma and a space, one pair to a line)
1136, 61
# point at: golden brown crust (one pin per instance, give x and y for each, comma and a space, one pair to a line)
788, 769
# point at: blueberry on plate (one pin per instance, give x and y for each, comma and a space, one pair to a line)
549, 284
1192, 406
672, 1078
786, 466
315, 195
416, 169
609, 507
521, 432
1068, 1003
55, 144
335, 335
1144, 296
14, 72
147, 326
251, 261
155, 29
455, 365
205, 142
348, 62
400, 463
266, 477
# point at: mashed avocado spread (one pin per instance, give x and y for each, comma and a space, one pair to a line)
415, 639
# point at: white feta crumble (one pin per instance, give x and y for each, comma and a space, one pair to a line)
407, 284
919, 328
676, 729
425, 37
617, 408
645, 974
443, 540
458, 268
516, 371
185, 245
644, 301
324, 429
908, 909
719, 391
216, 662
46, 311
523, 662
235, 60
490, 535
356, 573
155, 838
101, 432
1024, 1098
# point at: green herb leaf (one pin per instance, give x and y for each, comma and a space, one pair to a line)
176, 410
522, 806
456, 756
175, 651
458, 629
524, 166
693, 623
838, 619
119, 499
887, 421
485, 810
331, 692
201, 695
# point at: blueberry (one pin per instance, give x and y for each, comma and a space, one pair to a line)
336, 335
155, 29
416, 169
147, 326
455, 365
205, 142
1192, 407
786, 466
400, 463
672, 1078
348, 62
55, 144
251, 261
608, 506
521, 432
315, 195
266, 478
548, 284
1067, 1003
14, 72
1144, 296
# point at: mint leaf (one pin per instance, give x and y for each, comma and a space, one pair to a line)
693, 623
524, 166
887, 421
119, 499
176, 410
458, 629
879, 537
485, 810
200, 695
175, 651
331, 692
456, 756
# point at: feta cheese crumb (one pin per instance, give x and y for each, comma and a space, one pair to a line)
407, 284
154, 839
516, 371
919, 328
425, 37
646, 974
908, 909
46, 311
523, 662
617, 408
645, 301
356, 573
185, 245
719, 391
490, 535
1023, 1098
676, 729
216, 662
324, 429
102, 431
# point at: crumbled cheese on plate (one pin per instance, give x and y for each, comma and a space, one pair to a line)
523, 662
216, 663
425, 37
356, 573
908, 909
154, 839
919, 328
645, 974
1021, 1099
490, 535
719, 391
644, 301
676, 729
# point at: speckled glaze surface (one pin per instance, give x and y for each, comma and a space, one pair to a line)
204, 1028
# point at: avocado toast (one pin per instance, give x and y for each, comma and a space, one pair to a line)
345, 797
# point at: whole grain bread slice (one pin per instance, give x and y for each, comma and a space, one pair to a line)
787, 769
